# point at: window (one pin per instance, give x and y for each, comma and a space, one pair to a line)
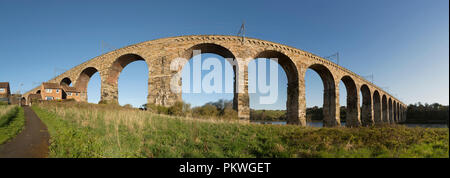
48, 90
76, 94
57, 90
48, 98
2, 90
69, 94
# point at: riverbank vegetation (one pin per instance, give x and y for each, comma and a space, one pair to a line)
89, 130
427, 113
12, 121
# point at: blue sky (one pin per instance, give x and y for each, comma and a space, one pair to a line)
403, 43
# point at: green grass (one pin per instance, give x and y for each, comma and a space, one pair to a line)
102, 131
11, 123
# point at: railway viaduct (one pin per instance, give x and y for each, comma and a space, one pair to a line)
378, 106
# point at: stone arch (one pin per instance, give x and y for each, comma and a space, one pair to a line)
352, 111
83, 81
391, 113
66, 81
224, 52
329, 95
377, 108
366, 110
292, 101
110, 92
385, 110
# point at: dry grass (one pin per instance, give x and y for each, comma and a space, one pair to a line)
89, 130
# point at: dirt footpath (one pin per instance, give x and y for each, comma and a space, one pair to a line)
32, 142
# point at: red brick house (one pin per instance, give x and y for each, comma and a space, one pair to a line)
51, 91
5, 92
70, 93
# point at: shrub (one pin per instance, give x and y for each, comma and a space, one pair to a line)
207, 110
128, 106
179, 109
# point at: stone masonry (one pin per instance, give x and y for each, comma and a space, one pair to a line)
378, 106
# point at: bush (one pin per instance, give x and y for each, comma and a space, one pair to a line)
207, 110
179, 109
128, 106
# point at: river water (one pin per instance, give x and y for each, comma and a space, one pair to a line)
320, 124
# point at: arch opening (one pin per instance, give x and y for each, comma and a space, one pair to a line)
366, 106
377, 108
349, 111
209, 79
276, 109
385, 110
82, 84
391, 112
291, 72
328, 109
112, 81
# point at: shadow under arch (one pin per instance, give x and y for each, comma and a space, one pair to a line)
366, 110
391, 112
329, 95
292, 100
66, 81
377, 113
352, 110
385, 110
83, 80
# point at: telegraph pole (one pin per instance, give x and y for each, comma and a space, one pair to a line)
242, 31
334, 56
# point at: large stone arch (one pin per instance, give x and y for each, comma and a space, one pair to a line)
352, 119
240, 100
330, 112
385, 110
110, 90
83, 80
289, 67
377, 115
366, 110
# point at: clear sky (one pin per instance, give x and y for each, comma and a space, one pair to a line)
403, 43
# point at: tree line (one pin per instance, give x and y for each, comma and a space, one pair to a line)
427, 113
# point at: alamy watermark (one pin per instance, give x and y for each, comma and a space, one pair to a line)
260, 80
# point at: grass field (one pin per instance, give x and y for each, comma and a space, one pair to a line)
88, 130
12, 121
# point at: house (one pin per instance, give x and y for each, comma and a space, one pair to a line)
51, 91
4, 92
70, 93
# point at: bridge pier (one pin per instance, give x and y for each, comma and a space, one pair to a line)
331, 108
109, 92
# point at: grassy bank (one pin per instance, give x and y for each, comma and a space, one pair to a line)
87, 130
12, 121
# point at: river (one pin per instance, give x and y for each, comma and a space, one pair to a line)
320, 124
